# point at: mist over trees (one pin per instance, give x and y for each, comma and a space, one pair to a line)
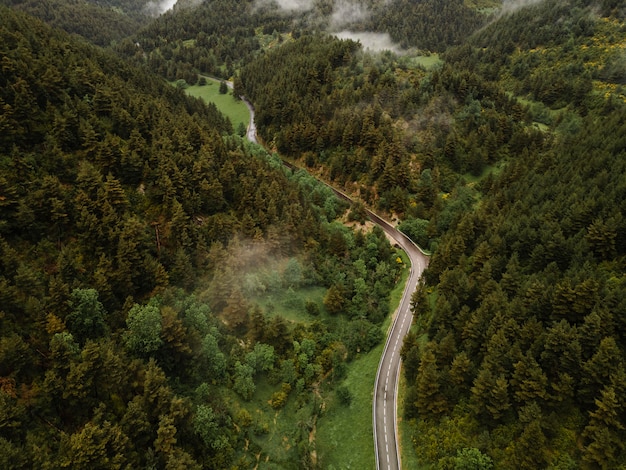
130, 213
138, 233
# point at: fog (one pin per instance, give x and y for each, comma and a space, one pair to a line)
346, 13
374, 42
288, 5
159, 7
509, 6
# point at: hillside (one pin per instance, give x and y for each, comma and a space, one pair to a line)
518, 358
149, 259
101, 22
169, 295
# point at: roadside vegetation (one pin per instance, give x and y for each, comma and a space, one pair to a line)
172, 297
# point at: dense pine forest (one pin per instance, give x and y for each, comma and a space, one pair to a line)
132, 222
158, 274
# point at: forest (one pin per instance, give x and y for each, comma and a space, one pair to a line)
101, 22
130, 217
141, 237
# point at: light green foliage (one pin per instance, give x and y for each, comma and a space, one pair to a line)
144, 329
181, 84
262, 358
416, 230
205, 424
243, 380
292, 275
288, 372
212, 357
196, 317
472, 459
253, 285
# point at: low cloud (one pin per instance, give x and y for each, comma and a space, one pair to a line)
509, 6
375, 42
346, 13
156, 8
288, 5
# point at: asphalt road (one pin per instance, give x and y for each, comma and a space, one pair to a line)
251, 131
384, 410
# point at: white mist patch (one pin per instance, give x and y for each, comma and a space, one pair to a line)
288, 5
346, 13
509, 6
159, 7
375, 42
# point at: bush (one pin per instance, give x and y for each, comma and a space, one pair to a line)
417, 230
181, 84
312, 308
357, 213
344, 395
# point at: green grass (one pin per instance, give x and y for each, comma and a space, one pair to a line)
345, 439
233, 109
427, 61
407, 450
290, 304
487, 169
343, 435
272, 433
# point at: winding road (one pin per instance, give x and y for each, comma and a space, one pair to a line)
384, 410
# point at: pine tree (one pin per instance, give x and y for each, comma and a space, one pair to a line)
431, 402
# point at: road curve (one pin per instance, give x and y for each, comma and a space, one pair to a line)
385, 403
384, 406
251, 131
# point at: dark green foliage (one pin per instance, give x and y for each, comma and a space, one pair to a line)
344, 395
430, 24
116, 191
521, 332
119, 196
472, 459
522, 296
100, 22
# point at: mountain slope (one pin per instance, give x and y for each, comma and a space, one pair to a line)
522, 347
138, 240
100, 22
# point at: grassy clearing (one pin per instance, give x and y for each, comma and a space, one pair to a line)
343, 434
233, 109
345, 438
427, 61
272, 430
290, 304
493, 169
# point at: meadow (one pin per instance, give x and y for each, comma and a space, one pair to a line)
234, 109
